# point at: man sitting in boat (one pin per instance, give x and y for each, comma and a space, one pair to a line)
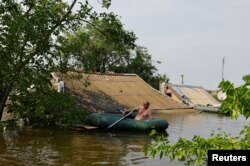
143, 111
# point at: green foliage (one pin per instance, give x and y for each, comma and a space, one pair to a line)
238, 98
246, 78
2, 125
41, 105
155, 80
106, 3
99, 44
47, 108
28, 39
5, 125
194, 151
140, 62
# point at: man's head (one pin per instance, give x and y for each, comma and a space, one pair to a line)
146, 104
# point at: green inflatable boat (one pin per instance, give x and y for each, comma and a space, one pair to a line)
119, 122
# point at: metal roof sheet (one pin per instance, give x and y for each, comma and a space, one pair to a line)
127, 89
196, 94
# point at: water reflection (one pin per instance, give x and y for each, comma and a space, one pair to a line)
101, 148
26, 148
51, 147
68, 148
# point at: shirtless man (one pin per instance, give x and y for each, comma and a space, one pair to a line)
143, 111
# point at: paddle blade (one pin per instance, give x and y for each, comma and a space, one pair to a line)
89, 127
84, 127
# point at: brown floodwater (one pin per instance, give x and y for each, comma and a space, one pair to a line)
93, 147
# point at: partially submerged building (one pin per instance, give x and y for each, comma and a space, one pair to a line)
109, 92
106, 92
190, 95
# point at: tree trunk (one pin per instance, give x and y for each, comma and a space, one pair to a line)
4, 98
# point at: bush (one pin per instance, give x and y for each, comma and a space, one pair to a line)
47, 109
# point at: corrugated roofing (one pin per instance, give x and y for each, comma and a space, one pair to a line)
196, 94
126, 89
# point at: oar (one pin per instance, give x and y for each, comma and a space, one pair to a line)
88, 127
120, 119
121, 111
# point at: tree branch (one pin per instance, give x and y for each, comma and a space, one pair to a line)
63, 18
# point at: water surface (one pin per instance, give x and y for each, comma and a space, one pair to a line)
71, 148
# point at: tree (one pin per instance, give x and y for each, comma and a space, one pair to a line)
246, 78
97, 47
140, 62
238, 98
28, 31
195, 151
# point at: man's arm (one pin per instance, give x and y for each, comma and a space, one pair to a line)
129, 110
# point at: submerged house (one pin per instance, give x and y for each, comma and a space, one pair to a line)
107, 92
190, 95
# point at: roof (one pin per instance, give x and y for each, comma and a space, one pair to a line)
128, 90
194, 94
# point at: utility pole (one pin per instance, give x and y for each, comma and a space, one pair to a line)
223, 64
182, 79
